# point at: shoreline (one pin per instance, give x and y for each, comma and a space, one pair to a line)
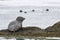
51, 31
31, 32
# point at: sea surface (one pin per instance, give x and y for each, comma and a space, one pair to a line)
29, 38
39, 18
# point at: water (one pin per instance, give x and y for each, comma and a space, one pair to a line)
40, 18
29, 38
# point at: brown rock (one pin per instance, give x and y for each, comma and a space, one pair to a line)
54, 28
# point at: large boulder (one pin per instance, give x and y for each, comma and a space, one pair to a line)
54, 28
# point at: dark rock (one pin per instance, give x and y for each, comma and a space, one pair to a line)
54, 28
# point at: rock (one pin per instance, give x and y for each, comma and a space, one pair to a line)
50, 29
26, 30
54, 28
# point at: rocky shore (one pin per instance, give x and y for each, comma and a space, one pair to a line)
52, 31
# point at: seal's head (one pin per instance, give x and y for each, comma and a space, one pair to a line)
20, 19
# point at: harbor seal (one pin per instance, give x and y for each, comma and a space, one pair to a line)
16, 25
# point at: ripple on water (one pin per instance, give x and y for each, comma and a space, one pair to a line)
39, 38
